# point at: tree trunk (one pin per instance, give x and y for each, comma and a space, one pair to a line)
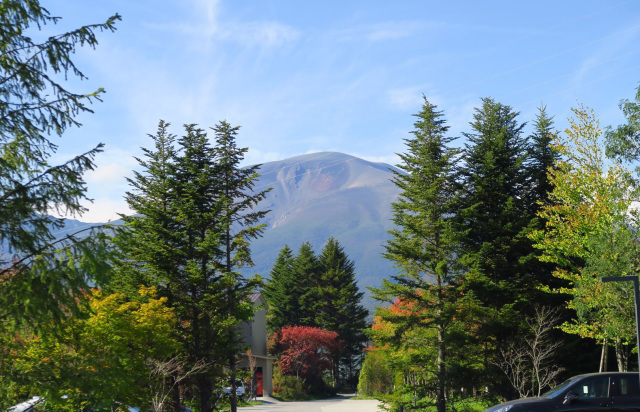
604, 356
622, 356
205, 387
440, 399
175, 397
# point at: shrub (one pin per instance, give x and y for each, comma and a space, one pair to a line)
375, 376
288, 387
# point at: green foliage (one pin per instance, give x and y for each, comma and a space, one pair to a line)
497, 256
339, 309
591, 233
288, 387
423, 247
320, 291
96, 361
35, 105
623, 142
306, 270
190, 235
376, 377
541, 159
280, 294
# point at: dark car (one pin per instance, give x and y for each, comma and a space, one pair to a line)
601, 392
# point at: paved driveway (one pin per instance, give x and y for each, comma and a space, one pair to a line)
337, 404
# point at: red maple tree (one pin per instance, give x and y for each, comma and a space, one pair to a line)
306, 351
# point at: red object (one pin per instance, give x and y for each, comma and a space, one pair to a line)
306, 351
259, 383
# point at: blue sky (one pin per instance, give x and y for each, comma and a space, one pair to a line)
346, 76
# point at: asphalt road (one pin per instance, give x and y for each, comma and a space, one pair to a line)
342, 403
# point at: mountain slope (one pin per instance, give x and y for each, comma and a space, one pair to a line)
319, 195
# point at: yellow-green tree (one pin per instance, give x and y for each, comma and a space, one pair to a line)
102, 360
591, 233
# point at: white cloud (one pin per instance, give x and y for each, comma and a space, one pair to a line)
611, 45
255, 156
108, 174
210, 8
391, 30
105, 209
259, 33
406, 98
394, 30
269, 34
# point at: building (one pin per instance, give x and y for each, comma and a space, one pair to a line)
254, 334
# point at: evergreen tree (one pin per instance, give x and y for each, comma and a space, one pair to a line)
306, 271
284, 304
424, 245
542, 157
152, 253
239, 225
494, 212
188, 236
540, 163
41, 277
339, 308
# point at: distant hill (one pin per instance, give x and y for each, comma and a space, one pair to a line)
319, 195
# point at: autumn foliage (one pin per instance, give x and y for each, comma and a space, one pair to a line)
306, 352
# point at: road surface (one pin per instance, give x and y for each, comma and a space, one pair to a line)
342, 403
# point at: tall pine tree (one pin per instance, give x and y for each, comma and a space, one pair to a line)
306, 271
191, 230
279, 292
424, 244
339, 309
238, 224
542, 157
493, 211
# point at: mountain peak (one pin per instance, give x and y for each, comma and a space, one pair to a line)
328, 194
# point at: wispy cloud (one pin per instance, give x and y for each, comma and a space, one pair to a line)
104, 209
391, 30
406, 98
208, 26
395, 30
612, 44
259, 33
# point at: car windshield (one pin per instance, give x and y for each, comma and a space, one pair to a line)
555, 391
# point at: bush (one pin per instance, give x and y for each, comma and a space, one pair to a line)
288, 387
375, 377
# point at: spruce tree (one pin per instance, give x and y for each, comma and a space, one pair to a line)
423, 246
541, 159
190, 232
284, 305
494, 212
339, 308
306, 272
238, 223
151, 253
42, 277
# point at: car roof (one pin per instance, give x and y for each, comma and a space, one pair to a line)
585, 375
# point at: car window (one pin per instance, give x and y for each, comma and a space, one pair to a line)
595, 387
555, 391
625, 386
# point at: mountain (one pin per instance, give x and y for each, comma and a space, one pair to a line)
314, 197
319, 195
